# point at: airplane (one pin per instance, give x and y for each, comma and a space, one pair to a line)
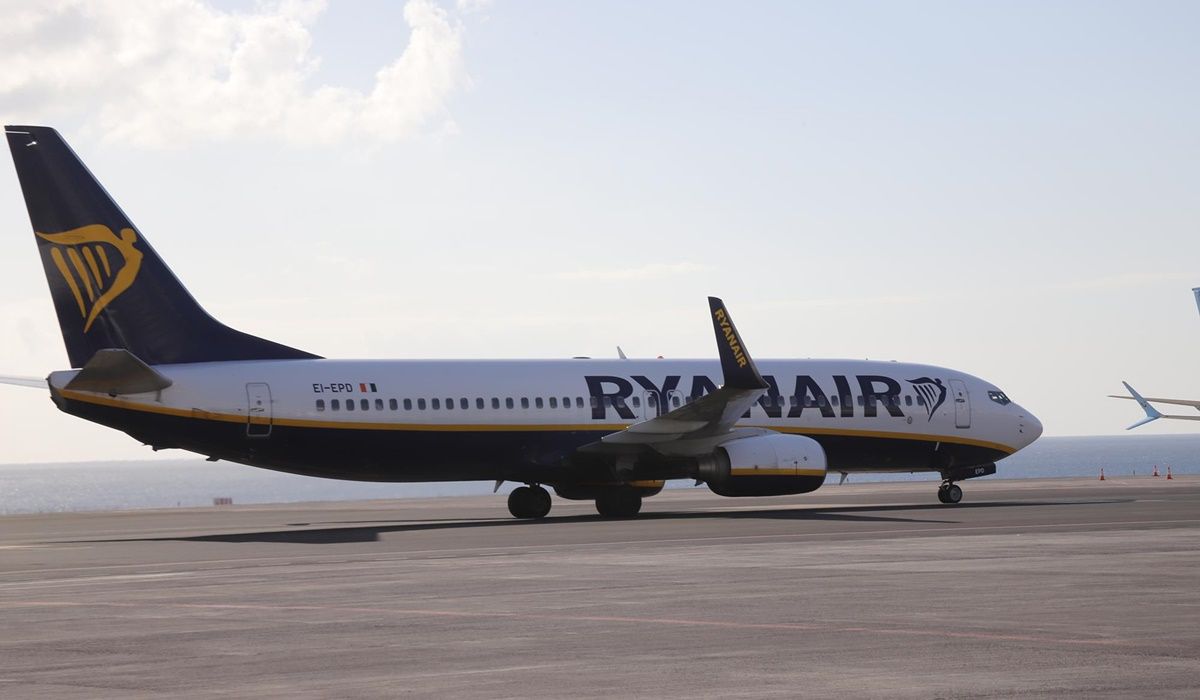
1153, 414
148, 360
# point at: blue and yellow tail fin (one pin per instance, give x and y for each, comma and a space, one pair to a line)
110, 289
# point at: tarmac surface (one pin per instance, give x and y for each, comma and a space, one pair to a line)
1047, 588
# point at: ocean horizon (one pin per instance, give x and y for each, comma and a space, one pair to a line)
192, 481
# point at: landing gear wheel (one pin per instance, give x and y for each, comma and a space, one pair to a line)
619, 504
949, 493
529, 502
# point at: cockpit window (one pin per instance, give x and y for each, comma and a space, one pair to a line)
999, 397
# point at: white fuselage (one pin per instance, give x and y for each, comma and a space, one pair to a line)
394, 414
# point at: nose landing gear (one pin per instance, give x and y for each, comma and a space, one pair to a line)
529, 502
949, 492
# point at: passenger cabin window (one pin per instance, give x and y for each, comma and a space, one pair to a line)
508, 403
479, 404
364, 404
349, 404
578, 402
449, 404
566, 402
392, 404
378, 404
637, 403
860, 401
464, 404
524, 402
408, 404
834, 400
495, 402
553, 402
537, 402
335, 404
908, 400
421, 404
320, 404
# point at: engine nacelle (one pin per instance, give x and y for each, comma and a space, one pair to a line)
765, 465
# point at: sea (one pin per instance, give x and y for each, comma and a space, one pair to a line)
189, 482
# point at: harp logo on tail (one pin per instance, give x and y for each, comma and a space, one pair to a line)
96, 264
932, 391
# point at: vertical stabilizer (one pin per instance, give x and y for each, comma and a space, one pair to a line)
110, 288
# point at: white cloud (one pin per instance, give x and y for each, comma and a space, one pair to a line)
164, 72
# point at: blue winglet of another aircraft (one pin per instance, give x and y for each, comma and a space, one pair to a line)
1152, 413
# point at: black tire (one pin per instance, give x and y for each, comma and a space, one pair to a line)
619, 504
953, 493
529, 502
942, 495
539, 502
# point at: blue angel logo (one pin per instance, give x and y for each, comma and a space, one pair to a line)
932, 391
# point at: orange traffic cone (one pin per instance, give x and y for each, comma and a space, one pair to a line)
1169, 473
1101, 473
1155, 471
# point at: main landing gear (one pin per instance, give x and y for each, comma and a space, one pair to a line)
619, 503
529, 502
949, 492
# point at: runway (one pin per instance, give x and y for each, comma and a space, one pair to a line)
1045, 587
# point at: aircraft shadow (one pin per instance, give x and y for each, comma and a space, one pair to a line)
361, 532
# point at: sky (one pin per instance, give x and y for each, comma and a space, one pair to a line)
1007, 189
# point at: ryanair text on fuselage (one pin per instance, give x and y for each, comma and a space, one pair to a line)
876, 390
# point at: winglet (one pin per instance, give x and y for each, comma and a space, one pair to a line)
736, 365
1152, 413
1196, 291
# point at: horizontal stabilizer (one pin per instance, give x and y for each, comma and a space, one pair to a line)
32, 382
114, 372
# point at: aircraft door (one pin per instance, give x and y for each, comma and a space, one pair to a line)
258, 413
650, 402
962, 404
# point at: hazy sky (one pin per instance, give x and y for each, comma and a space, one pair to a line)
1009, 189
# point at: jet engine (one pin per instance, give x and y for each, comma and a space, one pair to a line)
764, 465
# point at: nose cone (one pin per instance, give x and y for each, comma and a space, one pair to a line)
1028, 426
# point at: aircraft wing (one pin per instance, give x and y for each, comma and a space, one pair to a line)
708, 419
32, 382
1151, 399
1152, 413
